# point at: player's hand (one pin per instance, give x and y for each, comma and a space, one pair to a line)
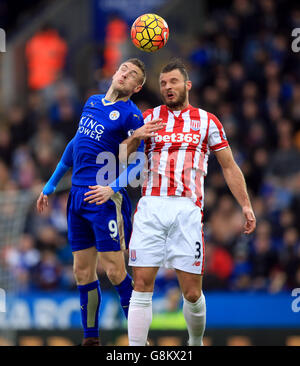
149, 129
42, 202
250, 223
98, 194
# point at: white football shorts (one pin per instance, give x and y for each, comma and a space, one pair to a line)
167, 232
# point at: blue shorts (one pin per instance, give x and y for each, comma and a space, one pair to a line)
107, 226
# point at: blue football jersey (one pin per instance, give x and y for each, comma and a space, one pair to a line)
102, 127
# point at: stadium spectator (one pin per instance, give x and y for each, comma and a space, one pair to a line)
4, 175
22, 260
64, 110
116, 35
46, 56
263, 258
19, 125
45, 147
6, 148
240, 278
47, 273
219, 266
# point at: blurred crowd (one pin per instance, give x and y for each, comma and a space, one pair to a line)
243, 71
246, 73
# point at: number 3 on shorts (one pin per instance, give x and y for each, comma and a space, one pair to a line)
113, 228
198, 250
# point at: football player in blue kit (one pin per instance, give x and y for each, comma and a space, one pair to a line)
105, 227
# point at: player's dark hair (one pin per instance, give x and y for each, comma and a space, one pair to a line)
176, 64
140, 64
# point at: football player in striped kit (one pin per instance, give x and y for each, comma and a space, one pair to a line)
168, 222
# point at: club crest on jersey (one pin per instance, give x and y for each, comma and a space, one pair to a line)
113, 115
130, 132
195, 125
133, 255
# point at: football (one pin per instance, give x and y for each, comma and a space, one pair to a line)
149, 32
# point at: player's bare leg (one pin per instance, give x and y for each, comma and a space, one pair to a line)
144, 278
140, 308
113, 264
84, 267
194, 306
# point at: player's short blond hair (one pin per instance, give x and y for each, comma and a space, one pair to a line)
140, 64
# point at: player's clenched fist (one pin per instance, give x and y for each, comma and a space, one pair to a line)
98, 194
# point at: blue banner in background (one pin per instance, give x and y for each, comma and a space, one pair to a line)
253, 310
224, 310
56, 311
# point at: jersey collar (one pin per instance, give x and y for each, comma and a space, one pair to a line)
181, 112
107, 102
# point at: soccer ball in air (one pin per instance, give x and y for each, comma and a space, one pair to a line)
149, 32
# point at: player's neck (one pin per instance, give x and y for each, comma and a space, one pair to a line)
180, 107
114, 96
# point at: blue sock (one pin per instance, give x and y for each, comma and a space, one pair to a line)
90, 299
124, 290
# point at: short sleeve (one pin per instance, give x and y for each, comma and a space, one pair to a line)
216, 135
148, 115
134, 121
88, 101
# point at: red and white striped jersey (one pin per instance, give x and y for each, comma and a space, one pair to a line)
177, 157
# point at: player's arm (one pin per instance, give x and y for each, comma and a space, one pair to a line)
65, 163
131, 144
237, 185
100, 194
128, 148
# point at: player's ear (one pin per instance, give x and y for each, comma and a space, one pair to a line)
189, 85
137, 88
